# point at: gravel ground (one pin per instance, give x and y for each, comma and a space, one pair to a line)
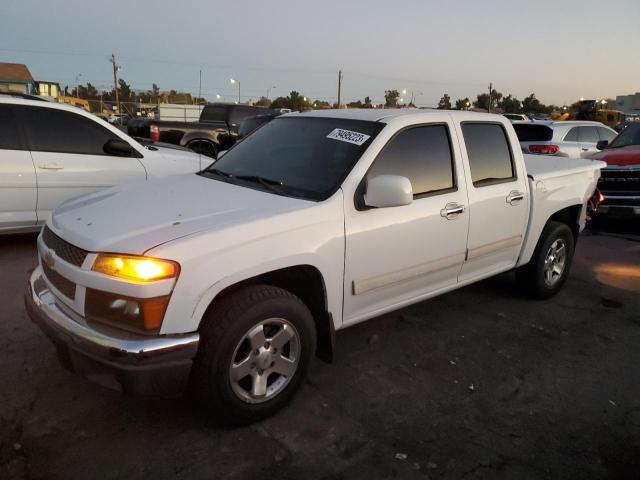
478, 383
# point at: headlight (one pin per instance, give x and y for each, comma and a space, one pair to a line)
141, 269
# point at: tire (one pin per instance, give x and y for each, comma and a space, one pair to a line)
203, 148
227, 342
534, 278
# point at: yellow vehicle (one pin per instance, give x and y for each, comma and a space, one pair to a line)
610, 118
75, 102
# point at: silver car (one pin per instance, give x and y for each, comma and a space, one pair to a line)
574, 139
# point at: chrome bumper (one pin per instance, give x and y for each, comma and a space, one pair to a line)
130, 363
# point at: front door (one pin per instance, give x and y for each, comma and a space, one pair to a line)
398, 255
67, 150
498, 200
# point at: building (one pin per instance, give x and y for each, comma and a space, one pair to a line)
629, 104
16, 77
48, 89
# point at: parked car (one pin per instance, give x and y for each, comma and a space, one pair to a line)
50, 152
619, 184
516, 117
232, 278
217, 129
564, 139
251, 124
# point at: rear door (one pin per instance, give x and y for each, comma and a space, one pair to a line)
588, 139
400, 254
67, 150
18, 191
498, 199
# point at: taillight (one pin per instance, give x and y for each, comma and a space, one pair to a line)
544, 149
154, 132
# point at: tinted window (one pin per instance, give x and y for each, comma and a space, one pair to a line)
606, 134
422, 154
589, 135
572, 136
488, 151
9, 134
214, 113
531, 132
629, 136
52, 130
302, 157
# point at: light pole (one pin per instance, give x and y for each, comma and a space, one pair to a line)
467, 104
269, 90
78, 85
232, 82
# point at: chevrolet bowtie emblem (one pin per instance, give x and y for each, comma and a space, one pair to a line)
48, 259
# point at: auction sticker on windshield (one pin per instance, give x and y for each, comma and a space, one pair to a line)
348, 136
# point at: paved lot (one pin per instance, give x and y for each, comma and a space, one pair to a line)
479, 383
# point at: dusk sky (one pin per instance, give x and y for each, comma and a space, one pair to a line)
561, 50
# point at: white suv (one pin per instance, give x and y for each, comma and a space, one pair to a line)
50, 152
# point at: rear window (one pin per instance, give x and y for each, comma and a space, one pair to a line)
489, 153
530, 132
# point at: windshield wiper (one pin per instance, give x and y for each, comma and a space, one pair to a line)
268, 183
220, 173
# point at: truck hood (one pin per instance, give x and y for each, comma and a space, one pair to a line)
629, 155
136, 217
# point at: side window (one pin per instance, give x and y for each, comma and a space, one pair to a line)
9, 133
589, 135
214, 113
606, 134
572, 136
52, 130
489, 154
423, 155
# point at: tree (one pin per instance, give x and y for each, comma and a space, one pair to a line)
321, 104
463, 103
391, 98
445, 102
357, 104
482, 101
532, 105
511, 104
367, 102
263, 102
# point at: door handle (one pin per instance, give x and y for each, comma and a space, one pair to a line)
50, 166
451, 211
584, 149
514, 197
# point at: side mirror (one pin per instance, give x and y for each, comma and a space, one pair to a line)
220, 154
118, 147
602, 144
388, 191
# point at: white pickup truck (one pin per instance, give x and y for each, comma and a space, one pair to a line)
229, 280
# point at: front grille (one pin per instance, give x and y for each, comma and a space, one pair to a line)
66, 287
67, 252
622, 182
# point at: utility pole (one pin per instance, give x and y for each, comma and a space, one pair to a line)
200, 88
339, 87
116, 67
490, 90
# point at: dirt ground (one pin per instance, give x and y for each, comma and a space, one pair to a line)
478, 383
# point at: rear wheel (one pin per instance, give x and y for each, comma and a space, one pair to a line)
255, 348
203, 148
549, 267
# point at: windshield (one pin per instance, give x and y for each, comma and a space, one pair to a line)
629, 136
302, 157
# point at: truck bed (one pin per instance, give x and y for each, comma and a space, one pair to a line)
542, 167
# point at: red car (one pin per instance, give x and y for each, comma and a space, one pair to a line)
619, 183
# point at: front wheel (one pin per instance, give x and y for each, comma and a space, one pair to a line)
548, 269
203, 148
255, 348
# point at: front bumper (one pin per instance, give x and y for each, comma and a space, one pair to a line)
134, 364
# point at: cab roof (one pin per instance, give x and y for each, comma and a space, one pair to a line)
386, 114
